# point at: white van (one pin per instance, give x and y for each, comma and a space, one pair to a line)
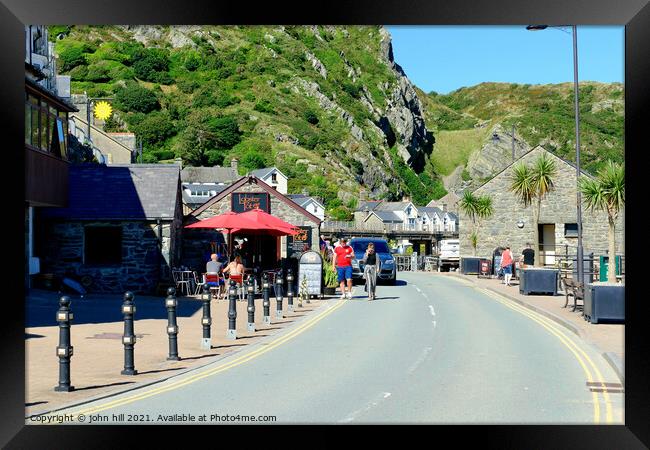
448, 254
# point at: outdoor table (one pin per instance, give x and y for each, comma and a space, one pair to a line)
184, 278
539, 280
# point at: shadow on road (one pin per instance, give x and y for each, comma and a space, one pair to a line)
162, 370
104, 385
226, 346
41, 307
34, 404
33, 336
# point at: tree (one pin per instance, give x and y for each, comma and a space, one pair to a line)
134, 97
476, 208
531, 184
606, 193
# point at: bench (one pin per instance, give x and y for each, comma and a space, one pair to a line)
574, 289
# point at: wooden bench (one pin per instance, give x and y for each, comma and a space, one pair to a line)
574, 289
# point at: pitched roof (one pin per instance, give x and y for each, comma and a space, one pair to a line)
386, 216
303, 200
261, 173
371, 204
393, 206
120, 192
430, 210
253, 179
214, 174
451, 199
452, 215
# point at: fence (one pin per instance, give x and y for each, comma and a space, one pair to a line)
386, 227
412, 263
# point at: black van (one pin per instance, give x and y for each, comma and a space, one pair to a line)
388, 270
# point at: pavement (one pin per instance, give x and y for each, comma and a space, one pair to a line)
96, 336
609, 339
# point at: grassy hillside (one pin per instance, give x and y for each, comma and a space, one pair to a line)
209, 93
542, 114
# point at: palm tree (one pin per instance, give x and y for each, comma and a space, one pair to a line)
476, 208
531, 184
607, 193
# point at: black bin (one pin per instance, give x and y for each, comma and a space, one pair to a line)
539, 281
470, 266
604, 303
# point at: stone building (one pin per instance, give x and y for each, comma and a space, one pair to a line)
247, 193
557, 222
120, 230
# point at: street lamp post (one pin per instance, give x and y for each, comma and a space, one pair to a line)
580, 250
89, 102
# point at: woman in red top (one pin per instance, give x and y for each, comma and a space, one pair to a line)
506, 265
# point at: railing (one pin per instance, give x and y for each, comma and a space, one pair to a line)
412, 263
389, 227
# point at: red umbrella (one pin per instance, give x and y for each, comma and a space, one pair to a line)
268, 221
226, 221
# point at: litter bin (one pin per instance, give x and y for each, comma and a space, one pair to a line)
604, 267
310, 265
539, 281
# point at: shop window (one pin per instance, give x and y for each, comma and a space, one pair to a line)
102, 245
570, 230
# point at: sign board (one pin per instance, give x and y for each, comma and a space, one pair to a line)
311, 267
296, 244
245, 201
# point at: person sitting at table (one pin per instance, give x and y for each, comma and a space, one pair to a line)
235, 269
213, 266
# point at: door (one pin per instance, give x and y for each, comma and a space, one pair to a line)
547, 241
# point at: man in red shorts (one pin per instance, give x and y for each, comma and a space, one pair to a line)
342, 262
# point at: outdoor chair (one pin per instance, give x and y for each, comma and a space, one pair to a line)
218, 280
239, 280
197, 283
574, 289
181, 282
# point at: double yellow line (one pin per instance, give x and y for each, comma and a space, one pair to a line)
579, 354
207, 373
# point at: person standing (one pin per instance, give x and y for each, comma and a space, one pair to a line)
342, 263
528, 256
371, 270
506, 265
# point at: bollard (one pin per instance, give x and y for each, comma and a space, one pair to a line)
128, 309
250, 289
278, 295
172, 327
289, 290
265, 299
206, 321
64, 351
231, 333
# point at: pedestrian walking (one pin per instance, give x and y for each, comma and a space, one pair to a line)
371, 270
506, 264
342, 263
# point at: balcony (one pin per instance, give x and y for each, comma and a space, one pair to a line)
46, 179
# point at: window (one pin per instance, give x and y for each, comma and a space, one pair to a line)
274, 177
102, 245
570, 230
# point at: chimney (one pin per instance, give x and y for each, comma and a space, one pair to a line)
233, 165
179, 161
443, 207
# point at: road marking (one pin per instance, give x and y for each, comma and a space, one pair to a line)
570, 344
420, 360
434, 323
383, 396
433, 313
203, 374
417, 289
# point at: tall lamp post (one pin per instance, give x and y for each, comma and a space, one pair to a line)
89, 104
580, 251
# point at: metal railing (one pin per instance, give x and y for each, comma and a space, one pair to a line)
388, 227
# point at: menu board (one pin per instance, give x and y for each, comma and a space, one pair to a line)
311, 267
245, 201
297, 243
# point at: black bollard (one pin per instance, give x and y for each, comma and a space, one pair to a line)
265, 299
278, 295
289, 290
172, 326
128, 309
232, 311
206, 321
250, 290
64, 351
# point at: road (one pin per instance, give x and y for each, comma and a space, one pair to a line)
433, 349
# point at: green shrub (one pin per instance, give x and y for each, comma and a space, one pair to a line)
164, 154
214, 158
149, 63
226, 131
79, 73
187, 85
310, 116
149, 158
134, 97
352, 89
249, 97
156, 127
72, 54
264, 106
192, 61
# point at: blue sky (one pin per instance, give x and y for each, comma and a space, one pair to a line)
445, 58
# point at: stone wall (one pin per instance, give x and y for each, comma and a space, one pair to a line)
559, 208
278, 209
143, 263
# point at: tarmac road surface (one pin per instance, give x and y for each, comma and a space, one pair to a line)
432, 349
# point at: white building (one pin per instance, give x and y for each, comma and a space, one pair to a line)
310, 204
273, 177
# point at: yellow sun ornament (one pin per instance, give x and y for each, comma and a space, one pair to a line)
103, 110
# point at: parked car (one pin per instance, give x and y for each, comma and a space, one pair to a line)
388, 271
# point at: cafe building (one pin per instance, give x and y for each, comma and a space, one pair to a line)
259, 250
